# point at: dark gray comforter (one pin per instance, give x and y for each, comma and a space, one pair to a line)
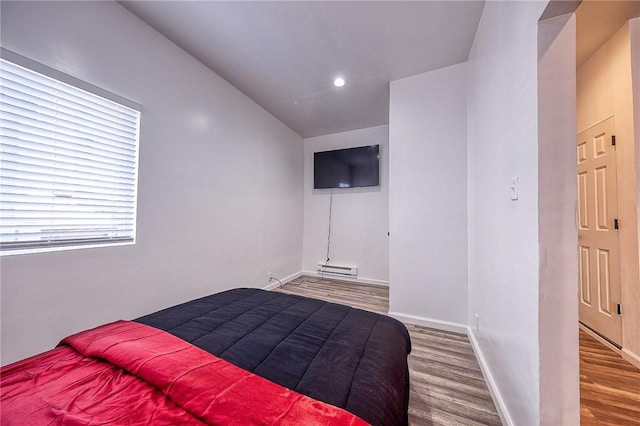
347, 357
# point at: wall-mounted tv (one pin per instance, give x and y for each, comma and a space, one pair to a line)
347, 168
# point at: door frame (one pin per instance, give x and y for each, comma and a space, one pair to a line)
557, 230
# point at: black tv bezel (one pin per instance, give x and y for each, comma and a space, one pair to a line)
340, 150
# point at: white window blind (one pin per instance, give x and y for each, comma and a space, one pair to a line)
68, 164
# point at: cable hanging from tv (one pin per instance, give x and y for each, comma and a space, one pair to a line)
329, 233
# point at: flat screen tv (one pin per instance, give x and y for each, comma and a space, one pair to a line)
347, 168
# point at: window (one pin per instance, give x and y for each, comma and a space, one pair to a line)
68, 163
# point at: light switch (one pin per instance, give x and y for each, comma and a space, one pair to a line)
514, 188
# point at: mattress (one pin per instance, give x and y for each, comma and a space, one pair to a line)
347, 357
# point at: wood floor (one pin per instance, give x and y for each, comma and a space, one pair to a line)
447, 387
609, 386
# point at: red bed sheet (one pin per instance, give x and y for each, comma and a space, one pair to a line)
127, 373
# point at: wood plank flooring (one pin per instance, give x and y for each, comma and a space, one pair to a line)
447, 387
609, 386
373, 298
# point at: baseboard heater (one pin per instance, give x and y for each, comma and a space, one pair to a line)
345, 271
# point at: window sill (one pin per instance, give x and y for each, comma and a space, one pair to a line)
65, 248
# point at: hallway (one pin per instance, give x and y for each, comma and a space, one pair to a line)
609, 386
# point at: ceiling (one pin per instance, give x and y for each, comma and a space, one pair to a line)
597, 21
285, 55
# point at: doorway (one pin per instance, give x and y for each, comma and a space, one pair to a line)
607, 179
607, 188
558, 106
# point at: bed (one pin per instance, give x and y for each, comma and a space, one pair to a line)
344, 357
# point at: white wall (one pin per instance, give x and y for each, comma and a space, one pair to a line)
428, 198
360, 216
503, 234
220, 182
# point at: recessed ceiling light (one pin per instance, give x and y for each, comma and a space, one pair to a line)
339, 82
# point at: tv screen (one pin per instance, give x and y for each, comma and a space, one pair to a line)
347, 168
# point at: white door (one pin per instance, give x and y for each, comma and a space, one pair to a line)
598, 246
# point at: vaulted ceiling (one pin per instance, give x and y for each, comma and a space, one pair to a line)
285, 55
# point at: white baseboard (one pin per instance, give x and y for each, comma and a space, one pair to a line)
276, 284
625, 353
498, 401
631, 357
361, 280
429, 322
599, 338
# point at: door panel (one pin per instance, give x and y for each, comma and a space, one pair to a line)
583, 217
583, 270
598, 245
604, 284
602, 219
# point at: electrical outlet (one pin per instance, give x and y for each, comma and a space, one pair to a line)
477, 321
